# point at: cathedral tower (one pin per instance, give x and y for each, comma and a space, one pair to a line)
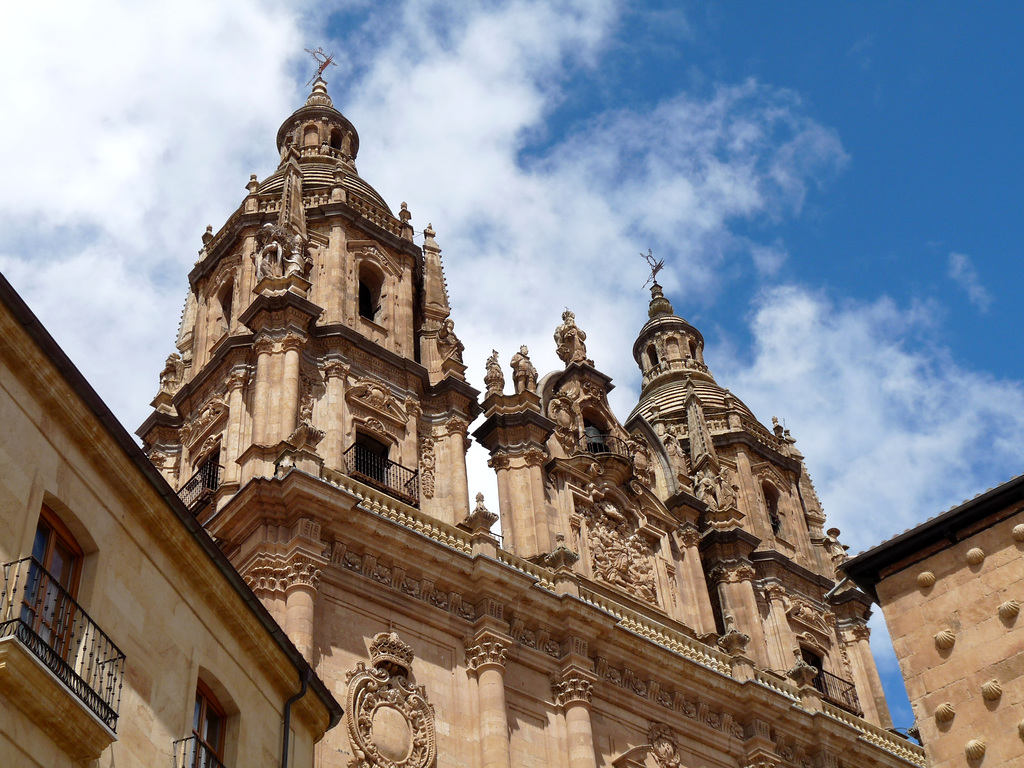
662, 593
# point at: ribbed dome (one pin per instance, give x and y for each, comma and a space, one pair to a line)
321, 176
669, 399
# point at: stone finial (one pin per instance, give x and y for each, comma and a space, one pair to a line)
387, 649
404, 215
253, 184
659, 304
494, 379
802, 673
734, 642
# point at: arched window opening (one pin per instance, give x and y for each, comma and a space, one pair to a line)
310, 136
336, 140
595, 437
652, 355
812, 658
672, 348
370, 284
209, 724
223, 319
771, 502
693, 348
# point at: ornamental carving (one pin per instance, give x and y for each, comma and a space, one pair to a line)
663, 746
494, 379
640, 453
211, 412
279, 253
524, 373
427, 462
619, 555
731, 574
804, 612
390, 722
572, 686
485, 650
173, 374
374, 397
448, 344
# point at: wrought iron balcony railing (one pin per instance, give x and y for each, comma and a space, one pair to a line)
192, 753
40, 613
836, 690
599, 444
201, 485
394, 479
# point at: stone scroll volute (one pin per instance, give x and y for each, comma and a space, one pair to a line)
390, 722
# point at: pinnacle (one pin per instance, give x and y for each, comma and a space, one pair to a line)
319, 97
659, 304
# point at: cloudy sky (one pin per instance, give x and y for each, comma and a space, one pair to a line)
835, 194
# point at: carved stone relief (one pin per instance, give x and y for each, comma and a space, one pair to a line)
619, 555
390, 722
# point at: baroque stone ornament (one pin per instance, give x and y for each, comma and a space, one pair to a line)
1018, 532
974, 749
991, 690
975, 556
569, 341
945, 639
1008, 611
524, 373
663, 746
620, 556
494, 379
925, 579
945, 712
572, 686
390, 723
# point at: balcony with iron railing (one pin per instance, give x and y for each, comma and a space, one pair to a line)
37, 611
383, 474
602, 444
835, 690
192, 753
196, 493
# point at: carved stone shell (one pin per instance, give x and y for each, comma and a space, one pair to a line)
945, 712
974, 749
976, 556
925, 579
944, 640
1009, 610
991, 690
1018, 532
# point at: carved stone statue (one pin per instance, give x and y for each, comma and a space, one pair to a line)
726, 489
569, 341
279, 253
172, 375
640, 451
524, 374
705, 488
448, 343
494, 379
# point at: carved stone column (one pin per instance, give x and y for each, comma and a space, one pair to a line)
485, 655
303, 580
865, 674
778, 635
572, 690
263, 348
451, 484
693, 585
236, 425
289, 405
335, 371
739, 605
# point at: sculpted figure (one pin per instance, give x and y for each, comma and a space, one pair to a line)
494, 379
172, 374
569, 341
296, 262
704, 489
641, 453
524, 374
726, 490
448, 343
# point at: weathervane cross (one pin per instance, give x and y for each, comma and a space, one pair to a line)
656, 266
323, 60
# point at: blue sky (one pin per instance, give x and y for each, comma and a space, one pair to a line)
834, 187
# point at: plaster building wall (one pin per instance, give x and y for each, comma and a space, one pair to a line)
663, 584
951, 591
147, 582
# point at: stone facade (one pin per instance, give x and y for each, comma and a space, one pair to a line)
661, 583
951, 591
129, 610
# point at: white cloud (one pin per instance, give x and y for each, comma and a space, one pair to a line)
962, 272
893, 432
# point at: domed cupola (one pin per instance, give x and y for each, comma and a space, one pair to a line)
324, 144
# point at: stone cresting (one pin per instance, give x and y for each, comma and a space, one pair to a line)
390, 722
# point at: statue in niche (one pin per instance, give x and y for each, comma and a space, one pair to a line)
726, 489
569, 341
619, 556
448, 343
524, 374
494, 379
279, 253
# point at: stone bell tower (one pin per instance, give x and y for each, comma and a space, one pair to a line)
316, 336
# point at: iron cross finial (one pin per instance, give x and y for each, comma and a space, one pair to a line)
323, 61
656, 266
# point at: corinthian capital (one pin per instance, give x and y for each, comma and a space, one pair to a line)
484, 651
571, 686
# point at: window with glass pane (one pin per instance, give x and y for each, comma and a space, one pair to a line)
48, 601
208, 723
